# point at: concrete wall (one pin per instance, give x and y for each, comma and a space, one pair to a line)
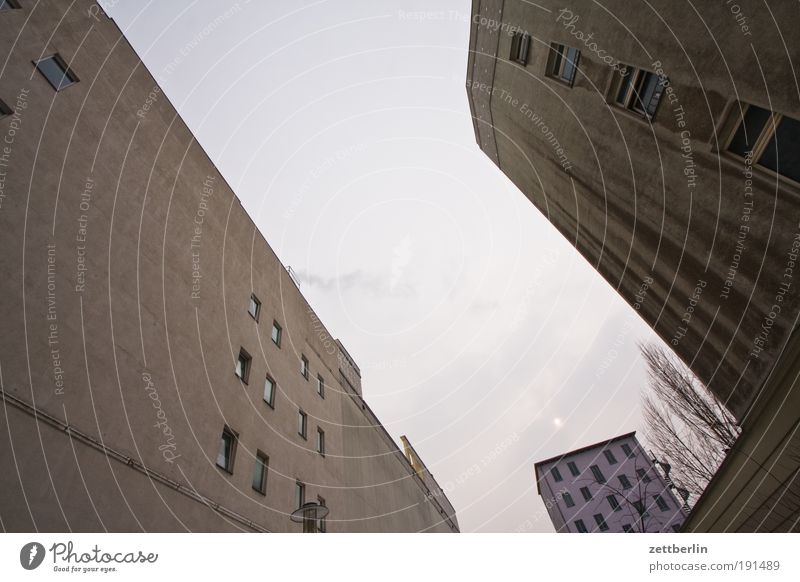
128, 265
658, 208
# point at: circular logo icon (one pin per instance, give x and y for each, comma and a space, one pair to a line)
31, 555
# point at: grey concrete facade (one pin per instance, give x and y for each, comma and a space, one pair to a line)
701, 242
128, 264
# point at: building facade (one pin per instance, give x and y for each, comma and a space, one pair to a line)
609, 487
160, 368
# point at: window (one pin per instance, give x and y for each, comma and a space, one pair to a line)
580, 526
269, 392
562, 63
601, 522
520, 45
56, 71
587, 495
573, 468
8, 5
610, 457
627, 528
299, 494
304, 366
626, 484
321, 441
5, 110
598, 474
642, 473
320, 386
773, 139
302, 424
661, 502
260, 473
676, 527
243, 365
612, 501
276, 333
568, 499
626, 449
227, 450
322, 526
640, 508
556, 474
639, 91
254, 309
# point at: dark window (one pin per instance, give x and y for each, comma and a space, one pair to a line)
601, 522
626, 449
243, 365
612, 501
587, 495
610, 457
580, 526
227, 450
276, 333
640, 91
563, 63
642, 473
321, 441
676, 527
320, 386
568, 499
260, 473
598, 474
573, 468
640, 508
269, 391
627, 528
661, 502
299, 494
254, 309
304, 366
774, 140
302, 424
556, 474
322, 526
56, 71
520, 46
5, 110
626, 484
8, 5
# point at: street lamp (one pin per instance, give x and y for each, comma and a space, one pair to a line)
309, 515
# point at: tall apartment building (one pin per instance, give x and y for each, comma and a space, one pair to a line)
160, 369
661, 142
611, 486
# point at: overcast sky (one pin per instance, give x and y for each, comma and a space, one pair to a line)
344, 128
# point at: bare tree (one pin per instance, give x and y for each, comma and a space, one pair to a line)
687, 426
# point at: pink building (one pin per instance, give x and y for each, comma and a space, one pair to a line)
610, 486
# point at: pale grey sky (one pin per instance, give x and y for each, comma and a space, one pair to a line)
343, 126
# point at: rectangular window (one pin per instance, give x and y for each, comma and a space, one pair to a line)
642, 474
573, 468
5, 110
580, 526
320, 386
304, 366
587, 495
627, 528
623, 480
612, 460
243, 365
568, 499
227, 450
562, 63
676, 527
321, 441
640, 508
260, 473
598, 474
773, 139
661, 502
254, 309
302, 424
626, 449
556, 474
322, 526
276, 333
612, 501
520, 46
601, 522
8, 5
299, 494
639, 91
269, 391
56, 71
